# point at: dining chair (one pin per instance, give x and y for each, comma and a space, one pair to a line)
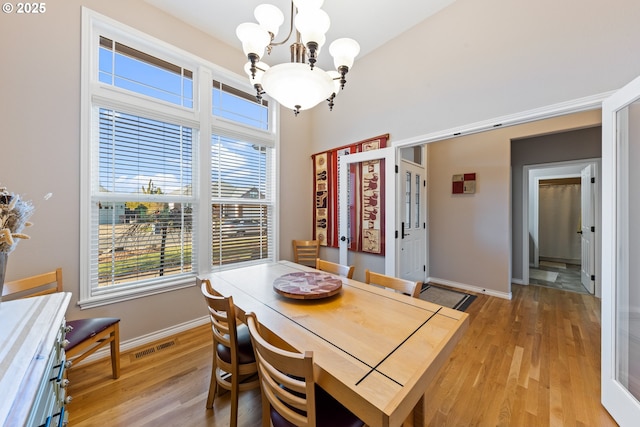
332, 267
84, 336
290, 395
306, 251
234, 364
405, 286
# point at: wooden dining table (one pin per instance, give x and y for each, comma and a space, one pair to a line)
374, 350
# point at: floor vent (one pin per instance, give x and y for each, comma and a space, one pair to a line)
144, 352
165, 345
152, 350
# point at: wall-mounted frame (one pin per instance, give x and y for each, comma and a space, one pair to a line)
463, 183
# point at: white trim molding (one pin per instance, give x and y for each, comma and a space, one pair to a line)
470, 288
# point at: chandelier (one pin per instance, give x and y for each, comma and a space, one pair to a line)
297, 85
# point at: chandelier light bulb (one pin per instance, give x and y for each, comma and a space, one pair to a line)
320, 42
254, 38
344, 52
269, 17
312, 24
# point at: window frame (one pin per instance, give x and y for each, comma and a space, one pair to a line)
204, 124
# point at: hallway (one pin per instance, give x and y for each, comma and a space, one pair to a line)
558, 276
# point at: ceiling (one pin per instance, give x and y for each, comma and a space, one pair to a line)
370, 23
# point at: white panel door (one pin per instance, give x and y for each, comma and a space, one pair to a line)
621, 255
587, 229
388, 154
412, 218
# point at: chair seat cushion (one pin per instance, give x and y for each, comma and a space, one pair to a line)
245, 349
329, 412
86, 328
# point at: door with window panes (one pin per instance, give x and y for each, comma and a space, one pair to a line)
620, 254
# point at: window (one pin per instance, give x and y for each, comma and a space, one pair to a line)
149, 223
234, 104
144, 200
242, 201
407, 199
417, 201
128, 68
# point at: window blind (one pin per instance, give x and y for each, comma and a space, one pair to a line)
143, 226
242, 201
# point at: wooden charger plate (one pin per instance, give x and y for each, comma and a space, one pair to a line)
307, 285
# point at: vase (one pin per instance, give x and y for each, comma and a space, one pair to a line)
4, 257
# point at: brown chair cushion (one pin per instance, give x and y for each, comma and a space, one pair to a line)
329, 412
245, 349
86, 328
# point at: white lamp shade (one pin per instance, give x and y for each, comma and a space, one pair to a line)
254, 38
294, 84
320, 42
261, 67
312, 24
269, 17
308, 4
344, 51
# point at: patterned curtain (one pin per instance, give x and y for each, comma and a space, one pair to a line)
366, 197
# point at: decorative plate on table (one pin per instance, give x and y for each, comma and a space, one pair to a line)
307, 285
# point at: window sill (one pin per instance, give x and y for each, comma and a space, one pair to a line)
117, 296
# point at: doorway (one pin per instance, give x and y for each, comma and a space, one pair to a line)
558, 264
561, 202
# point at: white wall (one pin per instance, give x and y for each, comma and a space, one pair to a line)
479, 60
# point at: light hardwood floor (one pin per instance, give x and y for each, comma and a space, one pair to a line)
531, 361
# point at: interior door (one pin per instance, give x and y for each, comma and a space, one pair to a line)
587, 229
620, 254
344, 186
412, 235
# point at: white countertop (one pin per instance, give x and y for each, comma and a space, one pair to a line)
28, 329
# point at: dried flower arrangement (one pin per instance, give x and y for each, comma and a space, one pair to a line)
14, 216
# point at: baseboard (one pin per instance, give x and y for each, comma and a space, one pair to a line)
148, 338
517, 281
470, 288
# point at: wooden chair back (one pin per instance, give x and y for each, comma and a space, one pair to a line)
221, 314
286, 379
42, 284
85, 336
405, 286
306, 251
234, 367
332, 267
290, 395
